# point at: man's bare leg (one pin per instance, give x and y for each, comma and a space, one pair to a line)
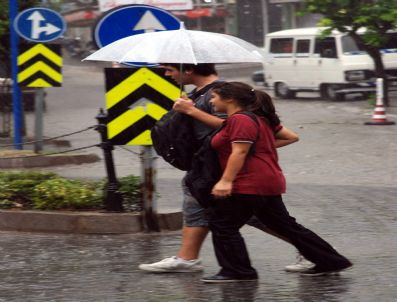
192, 240
187, 259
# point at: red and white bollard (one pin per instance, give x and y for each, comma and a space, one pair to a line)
379, 115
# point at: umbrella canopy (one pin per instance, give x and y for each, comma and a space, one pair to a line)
179, 46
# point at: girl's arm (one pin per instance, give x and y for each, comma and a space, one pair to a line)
285, 137
234, 164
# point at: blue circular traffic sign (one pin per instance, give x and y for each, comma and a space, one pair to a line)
129, 20
39, 24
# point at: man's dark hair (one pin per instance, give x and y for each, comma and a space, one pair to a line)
203, 69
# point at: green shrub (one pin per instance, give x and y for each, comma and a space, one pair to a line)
59, 193
48, 191
6, 204
18, 187
31, 175
5, 190
130, 188
44, 190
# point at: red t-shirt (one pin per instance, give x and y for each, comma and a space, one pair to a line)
260, 174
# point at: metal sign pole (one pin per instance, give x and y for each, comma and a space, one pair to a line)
113, 200
38, 122
39, 65
16, 93
149, 203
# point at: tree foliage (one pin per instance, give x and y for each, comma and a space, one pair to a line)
376, 16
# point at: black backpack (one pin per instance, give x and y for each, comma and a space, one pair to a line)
206, 170
173, 137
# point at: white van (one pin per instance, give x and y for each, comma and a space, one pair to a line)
301, 60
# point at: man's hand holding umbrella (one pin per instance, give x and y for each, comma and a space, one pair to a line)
183, 105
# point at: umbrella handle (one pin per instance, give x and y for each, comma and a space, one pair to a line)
182, 93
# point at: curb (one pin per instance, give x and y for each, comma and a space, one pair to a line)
47, 160
54, 142
82, 222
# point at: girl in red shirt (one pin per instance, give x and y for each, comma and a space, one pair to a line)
252, 184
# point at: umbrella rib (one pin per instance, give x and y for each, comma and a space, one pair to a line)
190, 47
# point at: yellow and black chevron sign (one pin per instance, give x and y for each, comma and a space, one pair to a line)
135, 99
40, 65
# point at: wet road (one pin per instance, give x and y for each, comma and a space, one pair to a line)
341, 184
359, 221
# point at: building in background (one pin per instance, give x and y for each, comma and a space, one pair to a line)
81, 17
256, 18
247, 19
208, 15
283, 15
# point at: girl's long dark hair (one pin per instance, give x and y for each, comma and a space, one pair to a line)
256, 101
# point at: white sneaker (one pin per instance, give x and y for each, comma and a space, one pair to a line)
301, 264
173, 265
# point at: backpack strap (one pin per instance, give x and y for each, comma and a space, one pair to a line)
255, 119
196, 93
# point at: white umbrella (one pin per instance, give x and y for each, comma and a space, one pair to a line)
179, 46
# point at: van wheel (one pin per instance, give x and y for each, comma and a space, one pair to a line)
330, 92
282, 90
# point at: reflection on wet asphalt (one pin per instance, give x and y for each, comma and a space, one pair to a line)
358, 221
101, 268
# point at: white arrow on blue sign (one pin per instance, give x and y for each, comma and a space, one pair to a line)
131, 20
39, 24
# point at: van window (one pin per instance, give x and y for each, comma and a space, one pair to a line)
326, 47
281, 45
349, 46
302, 48
392, 42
